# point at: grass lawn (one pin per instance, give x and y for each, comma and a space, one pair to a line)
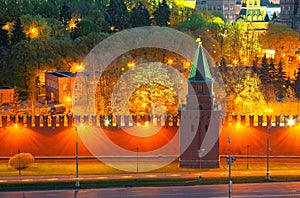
99, 168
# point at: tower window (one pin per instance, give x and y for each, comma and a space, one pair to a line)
192, 128
199, 89
206, 128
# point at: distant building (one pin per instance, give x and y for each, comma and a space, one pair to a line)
252, 11
6, 94
290, 14
227, 7
59, 87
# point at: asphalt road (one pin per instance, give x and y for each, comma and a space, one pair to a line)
254, 190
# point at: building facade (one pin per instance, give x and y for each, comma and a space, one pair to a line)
228, 8
6, 95
290, 13
59, 87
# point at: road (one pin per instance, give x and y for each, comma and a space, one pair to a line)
253, 190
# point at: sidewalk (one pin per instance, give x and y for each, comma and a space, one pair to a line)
206, 174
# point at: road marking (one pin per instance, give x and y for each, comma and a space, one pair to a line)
174, 175
26, 180
127, 176
52, 179
151, 176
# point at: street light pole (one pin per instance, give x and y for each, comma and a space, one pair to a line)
200, 154
137, 159
268, 155
77, 183
229, 161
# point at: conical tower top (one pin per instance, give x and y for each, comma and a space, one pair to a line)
200, 70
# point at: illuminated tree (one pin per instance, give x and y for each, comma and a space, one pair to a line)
35, 27
285, 42
15, 103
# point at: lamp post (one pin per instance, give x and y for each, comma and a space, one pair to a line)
77, 183
19, 156
200, 154
229, 161
137, 159
268, 155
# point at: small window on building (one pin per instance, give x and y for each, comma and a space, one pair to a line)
65, 87
192, 128
199, 89
206, 128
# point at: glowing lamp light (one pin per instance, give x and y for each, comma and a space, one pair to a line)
16, 125
170, 61
131, 64
79, 68
68, 99
291, 122
147, 123
106, 122
138, 124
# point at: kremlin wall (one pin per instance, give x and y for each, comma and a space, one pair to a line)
54, 136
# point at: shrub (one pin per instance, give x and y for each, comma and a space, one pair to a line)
21, 161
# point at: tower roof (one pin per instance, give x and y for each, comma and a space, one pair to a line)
200, 70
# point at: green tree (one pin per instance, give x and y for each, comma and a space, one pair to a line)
35, 27
17, 33
58, 30
84, 28
118, 15
48, 9
139, 16
3, 36
162, 14
65, 14
195, 22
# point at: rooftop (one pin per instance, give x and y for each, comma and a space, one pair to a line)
62, 74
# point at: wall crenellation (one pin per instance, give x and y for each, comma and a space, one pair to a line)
69, 120
158, 120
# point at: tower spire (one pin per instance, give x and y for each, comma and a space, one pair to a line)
200, 70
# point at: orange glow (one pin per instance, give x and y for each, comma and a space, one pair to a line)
8, 27
187, 64
69, 99
131, 64
170, 61
235, 62
33, 32
291, 122
127, 176
72, 24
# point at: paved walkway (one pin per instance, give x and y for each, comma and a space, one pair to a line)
196, 175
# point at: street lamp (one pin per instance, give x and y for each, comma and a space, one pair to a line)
268, 155
200, 154
77, 183
137, 159
229, 161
